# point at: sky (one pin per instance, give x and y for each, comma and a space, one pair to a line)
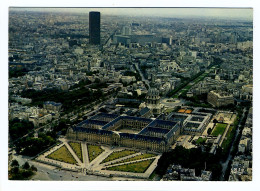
231, 13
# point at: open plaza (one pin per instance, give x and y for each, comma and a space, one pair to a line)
101, 146
100, 160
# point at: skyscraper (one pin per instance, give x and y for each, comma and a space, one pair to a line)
94, 27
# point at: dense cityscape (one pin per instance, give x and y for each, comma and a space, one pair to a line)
102, 97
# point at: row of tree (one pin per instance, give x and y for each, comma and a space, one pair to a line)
19, 128
31, 146
70, 99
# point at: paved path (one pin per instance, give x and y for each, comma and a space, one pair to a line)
228, 120
94, 167
183, 140
85, 154
210, 125
73, 154
96, 162
129, 162
230, 157
145, 175
116, 160
55, 162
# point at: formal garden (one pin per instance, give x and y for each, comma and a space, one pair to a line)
94, 151
219, 129
76, 147
135, 167
62, 154
135, 158
201, 140
118, 154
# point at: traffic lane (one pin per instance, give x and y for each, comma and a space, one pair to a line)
47, 172
59, 175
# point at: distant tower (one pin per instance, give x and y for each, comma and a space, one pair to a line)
94, 28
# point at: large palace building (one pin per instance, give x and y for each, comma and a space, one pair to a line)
141, 133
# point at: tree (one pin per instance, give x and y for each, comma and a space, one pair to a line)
33, 168
97, 80
27, 173
26, 165
15, 170
14, 163
209, 131
19, 128
215, 121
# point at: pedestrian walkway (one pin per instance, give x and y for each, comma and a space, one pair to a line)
85, 154
145, 175
96, 162
123, 158
129, 162
94, 167
73, 154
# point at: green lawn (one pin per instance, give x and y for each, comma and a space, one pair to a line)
137, 167
76, 147
219, 129
228, 138
169, 110
186, 88
62, 154
201, 140
201, 77
138, 157
94, 151
118, 154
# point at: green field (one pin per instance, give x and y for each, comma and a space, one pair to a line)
94, 151
138, 157
219, 129
169, 110
184, 90
62, 154
76, 147
118, 154
201, 77
136, 167
228, 139
201, 140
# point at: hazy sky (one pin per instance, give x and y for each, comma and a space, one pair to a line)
241, 13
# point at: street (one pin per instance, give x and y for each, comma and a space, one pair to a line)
46, 172
225, 164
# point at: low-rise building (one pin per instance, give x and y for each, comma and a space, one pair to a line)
220, 98
176, 172
240, 169
52, 106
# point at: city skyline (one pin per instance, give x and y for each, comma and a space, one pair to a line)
148, 88
211, 12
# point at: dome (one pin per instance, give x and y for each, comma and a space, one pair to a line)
153, 92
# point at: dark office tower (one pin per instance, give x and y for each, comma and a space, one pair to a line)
94, 27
